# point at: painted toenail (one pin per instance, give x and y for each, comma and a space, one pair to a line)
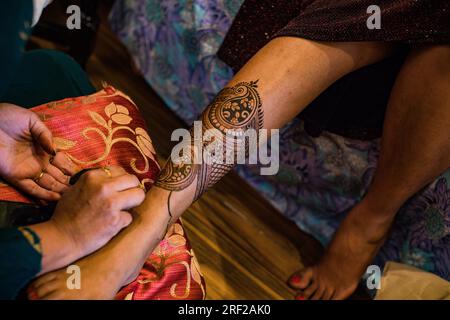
296, 279
32, 295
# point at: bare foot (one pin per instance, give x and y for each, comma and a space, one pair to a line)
101, 278
353, 248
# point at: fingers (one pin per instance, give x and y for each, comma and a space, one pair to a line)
125, 218
115, 171
99, 175
63, 163
130, 198
57, 174
42, 135
50, 183
121, 220
31, 187
123, 182
120, 190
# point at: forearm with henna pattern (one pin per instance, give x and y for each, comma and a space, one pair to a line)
275, 81
234, 110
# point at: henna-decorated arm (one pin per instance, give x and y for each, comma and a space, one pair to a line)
234, 111
291, 72
267, 93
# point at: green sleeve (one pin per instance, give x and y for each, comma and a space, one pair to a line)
20, 260
15, 27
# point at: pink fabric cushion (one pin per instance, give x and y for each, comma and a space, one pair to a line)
106, 128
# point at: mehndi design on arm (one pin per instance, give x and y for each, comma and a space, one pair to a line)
233, 111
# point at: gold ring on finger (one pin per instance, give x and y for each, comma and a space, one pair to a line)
107, 171
36, 179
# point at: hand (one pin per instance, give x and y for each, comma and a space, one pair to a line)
95, 209
28, 159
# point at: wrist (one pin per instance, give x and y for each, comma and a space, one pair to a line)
152, 220
58, 247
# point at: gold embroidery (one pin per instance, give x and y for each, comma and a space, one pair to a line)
118, 117
63, 144
23, 36
29, 236
196, 272
174, 238
3, 183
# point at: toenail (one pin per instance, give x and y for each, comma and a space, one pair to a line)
295, 279
32, 295
300, 297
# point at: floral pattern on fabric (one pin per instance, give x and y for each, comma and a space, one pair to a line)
107, 129
174, 45
161, 272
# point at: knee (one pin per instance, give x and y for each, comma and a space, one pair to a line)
434, 59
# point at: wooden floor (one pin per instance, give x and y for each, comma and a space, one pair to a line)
245, 248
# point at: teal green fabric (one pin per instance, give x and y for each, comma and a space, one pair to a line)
46, 75
15, 24
19, 261
35, 77
28, 79
40, 76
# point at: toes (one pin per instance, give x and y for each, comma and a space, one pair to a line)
310, 290
295, 280
54, 295
44, 290
43, 280
301, 280
343, 293
328, 294
300, 296
318, 294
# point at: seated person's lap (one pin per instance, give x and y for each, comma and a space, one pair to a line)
44, 76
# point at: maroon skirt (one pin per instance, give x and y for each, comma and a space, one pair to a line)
412, 22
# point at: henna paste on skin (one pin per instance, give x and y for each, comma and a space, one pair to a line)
233, 111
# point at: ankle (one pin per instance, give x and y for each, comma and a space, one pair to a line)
58, 248
75, 248
380, 210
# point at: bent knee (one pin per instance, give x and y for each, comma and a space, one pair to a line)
432, 59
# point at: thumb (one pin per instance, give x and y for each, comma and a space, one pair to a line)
42, 135
125, 219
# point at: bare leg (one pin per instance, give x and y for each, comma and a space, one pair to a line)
415, 149
278, 82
